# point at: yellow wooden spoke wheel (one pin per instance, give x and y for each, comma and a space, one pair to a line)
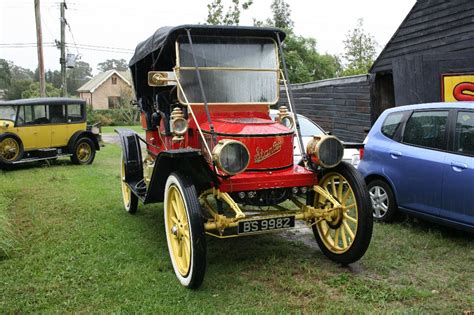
130, 200
184, 231
10, 149
84, 151
344, 235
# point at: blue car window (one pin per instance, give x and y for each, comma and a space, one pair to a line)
392, 124
427, 129
464, 137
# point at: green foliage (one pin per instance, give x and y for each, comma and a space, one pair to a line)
281, 15
359, 50
78, 76
304, 62
5, 74
109, 64
33, 91
53, 77
17, 87
14, 79
113, 117
216, 15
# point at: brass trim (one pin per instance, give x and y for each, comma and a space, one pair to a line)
216, 155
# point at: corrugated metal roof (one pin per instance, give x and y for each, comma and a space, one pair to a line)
99, 79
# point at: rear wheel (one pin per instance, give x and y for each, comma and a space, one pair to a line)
11, 149
383, 202
185, 231
84, 152
130, 200
345, 236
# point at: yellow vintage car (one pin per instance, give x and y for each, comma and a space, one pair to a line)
45, 128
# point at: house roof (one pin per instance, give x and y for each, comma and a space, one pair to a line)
98, 80
431, 27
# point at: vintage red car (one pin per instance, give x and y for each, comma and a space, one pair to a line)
220, 164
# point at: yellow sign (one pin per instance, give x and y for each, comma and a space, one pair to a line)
458, 87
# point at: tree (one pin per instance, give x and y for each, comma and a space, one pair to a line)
109, 64
5, 74
53, 77
281, 15
20, 73
216, 16
129, 113
77, 76
303, 60
14, 78
305, 64
359, 50
33, 91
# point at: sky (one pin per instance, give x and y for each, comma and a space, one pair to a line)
117, 26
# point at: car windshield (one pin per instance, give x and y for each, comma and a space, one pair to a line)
233, 70
8, 113
308, 128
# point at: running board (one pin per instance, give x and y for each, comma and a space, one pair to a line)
33, 159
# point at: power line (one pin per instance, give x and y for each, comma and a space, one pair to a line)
107, 47
74, 44
25, 45
72, 36
103, 50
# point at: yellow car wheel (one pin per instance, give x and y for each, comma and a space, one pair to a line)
184, 231
83, 152
11, 149
130, 200
345, 235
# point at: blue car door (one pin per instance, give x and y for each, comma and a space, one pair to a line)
458, 191
416, 164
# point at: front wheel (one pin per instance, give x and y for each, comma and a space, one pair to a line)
11, 149
84, 152
344, 236
185, 231
130, 200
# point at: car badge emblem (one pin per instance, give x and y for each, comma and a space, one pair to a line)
262, 154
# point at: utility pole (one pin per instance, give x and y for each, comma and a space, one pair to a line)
62, 59
39, 47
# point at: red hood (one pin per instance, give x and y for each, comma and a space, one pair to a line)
270, 144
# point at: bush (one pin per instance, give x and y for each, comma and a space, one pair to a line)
113, 117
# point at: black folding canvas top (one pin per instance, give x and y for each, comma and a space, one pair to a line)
158, 51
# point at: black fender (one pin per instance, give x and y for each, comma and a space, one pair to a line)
188, 162
82, 134
12, 135
132, 155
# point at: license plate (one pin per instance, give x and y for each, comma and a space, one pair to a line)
264, 225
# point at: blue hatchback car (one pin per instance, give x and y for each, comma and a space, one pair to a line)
420, 159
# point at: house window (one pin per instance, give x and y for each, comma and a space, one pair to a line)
114, 101
114, 80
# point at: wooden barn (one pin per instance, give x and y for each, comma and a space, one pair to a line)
430, 58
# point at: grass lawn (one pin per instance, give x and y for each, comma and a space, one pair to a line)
110, 129
78, 251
